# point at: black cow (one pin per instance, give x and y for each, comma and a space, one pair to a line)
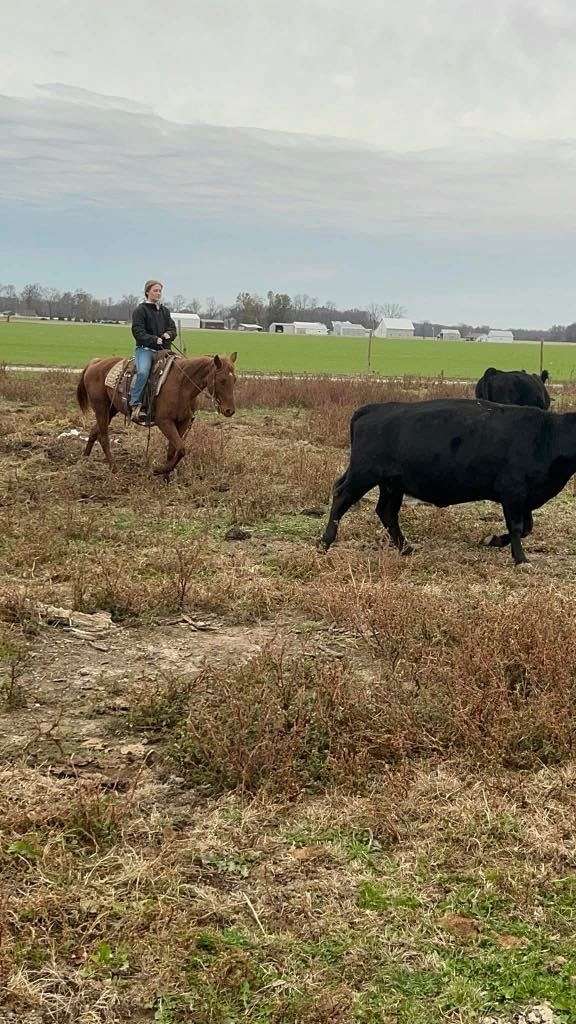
452, 451
514, 387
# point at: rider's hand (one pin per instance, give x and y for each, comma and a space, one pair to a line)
159, 342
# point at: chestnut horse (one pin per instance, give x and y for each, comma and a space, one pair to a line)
175, 405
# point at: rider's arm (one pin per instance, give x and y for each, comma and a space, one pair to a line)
142, 337
171, 331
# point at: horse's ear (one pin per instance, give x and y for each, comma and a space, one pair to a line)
233, 357
217, 362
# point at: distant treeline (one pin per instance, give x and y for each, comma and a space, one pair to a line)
249, 308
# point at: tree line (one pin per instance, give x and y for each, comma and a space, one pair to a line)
248, 307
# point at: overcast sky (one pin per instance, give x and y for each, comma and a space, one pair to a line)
421, 152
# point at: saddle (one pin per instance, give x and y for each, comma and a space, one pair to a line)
119, 379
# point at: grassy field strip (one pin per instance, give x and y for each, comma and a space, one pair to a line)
55, 345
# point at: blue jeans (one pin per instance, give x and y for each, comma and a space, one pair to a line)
143, 358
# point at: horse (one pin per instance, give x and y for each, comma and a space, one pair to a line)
175, 404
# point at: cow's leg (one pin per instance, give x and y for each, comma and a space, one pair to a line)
348, 489
516, 521
501, 540
387, 509
176, 448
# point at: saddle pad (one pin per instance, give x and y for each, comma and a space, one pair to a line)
165, 371
114, 373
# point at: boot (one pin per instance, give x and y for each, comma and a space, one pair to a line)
136, 413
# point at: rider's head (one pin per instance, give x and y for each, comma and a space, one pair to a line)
153, 291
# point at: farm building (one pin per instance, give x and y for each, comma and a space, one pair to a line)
249, 327
279, 328
496, 335
394, 327
309, 327
186, 321
298, 327
344, 328
448, 333
213, 325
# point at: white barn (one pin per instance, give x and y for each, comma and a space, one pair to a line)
280, 328
309, 327
249, 327
344, 328
394, 327
449, 333
496, 335
186, 321
298, 327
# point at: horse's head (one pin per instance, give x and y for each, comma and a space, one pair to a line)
221, 383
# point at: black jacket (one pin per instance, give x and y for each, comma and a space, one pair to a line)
149, 323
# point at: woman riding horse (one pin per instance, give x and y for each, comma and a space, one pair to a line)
154, 330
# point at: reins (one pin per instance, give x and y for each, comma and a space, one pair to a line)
190, 380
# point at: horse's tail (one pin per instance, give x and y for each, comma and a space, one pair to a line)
81, 393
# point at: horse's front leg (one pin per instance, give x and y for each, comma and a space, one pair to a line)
176, 448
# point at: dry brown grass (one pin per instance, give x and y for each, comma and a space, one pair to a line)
367, 822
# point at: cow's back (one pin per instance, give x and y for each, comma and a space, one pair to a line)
450, 450
512, 387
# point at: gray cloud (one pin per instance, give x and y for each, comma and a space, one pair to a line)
405, 75
85, 149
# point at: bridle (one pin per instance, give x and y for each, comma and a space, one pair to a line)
205, 387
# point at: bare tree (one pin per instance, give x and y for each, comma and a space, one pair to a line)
393, 309
178, 303
31, 297
129, 302
52, 296
211, 307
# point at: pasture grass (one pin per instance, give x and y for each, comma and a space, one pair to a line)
282, 786
61, 344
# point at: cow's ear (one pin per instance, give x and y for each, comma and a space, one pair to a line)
233, 357
217, 362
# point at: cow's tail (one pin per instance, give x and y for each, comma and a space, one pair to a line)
544, 376
81, 393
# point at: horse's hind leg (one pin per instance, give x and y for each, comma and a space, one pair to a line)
104, 414
96, 433
91, 440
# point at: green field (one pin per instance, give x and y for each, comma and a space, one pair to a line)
51, 344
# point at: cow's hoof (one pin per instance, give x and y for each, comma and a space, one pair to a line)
524, 566
407, 550
488, 542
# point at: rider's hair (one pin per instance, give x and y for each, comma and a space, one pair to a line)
149, 285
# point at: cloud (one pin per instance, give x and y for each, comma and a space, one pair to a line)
406, 76
81, 149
